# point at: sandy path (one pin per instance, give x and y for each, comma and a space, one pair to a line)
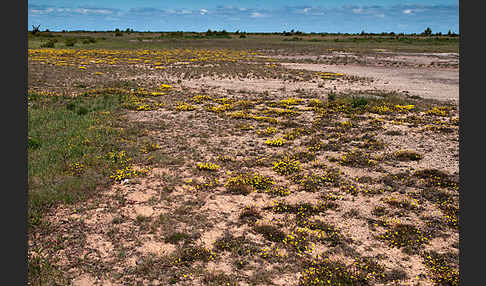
441, 84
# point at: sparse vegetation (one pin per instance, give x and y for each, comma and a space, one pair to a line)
182, 182
407, 155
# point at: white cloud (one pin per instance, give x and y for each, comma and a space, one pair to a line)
36, 11
103, 11
203, 11
91, 11
407, 11
81, 10
358, 10
41, 11
300, 10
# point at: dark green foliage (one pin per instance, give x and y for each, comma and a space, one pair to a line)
33, 143
49, 44
331, 96
89, 40
359, 102
70, 42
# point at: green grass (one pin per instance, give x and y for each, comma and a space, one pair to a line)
42, 272
309, 43
69, 159
69, 142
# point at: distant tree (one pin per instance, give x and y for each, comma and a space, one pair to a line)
35, 30
452, 34
427, 32
285, 33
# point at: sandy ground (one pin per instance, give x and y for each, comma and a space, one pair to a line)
380, 57
441, 84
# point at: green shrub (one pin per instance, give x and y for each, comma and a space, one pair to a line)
70, 42
359, 102
331, 96
82, 110
49, 44
33, 143
89, 40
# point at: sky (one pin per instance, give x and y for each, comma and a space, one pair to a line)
332, 16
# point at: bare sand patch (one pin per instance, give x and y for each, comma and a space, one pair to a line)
141, 196
437, 84
84, 280
97, 242
157, 248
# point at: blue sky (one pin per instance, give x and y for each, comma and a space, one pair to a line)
345, 16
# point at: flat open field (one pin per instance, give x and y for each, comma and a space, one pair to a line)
265, 160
